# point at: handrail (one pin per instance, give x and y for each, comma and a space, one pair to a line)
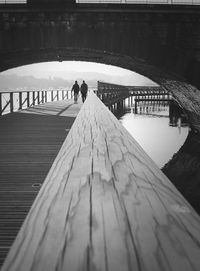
105, 205
16, 100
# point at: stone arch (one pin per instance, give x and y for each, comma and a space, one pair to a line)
163, 37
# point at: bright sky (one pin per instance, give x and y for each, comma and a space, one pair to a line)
51, 68
74, 69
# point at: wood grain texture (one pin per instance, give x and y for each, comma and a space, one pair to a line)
105, 205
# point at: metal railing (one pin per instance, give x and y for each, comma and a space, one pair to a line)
14, 101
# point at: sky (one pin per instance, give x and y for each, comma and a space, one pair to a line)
75, 69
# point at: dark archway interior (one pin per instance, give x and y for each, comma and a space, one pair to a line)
159, 35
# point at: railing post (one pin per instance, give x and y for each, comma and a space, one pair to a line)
33, 97
52, 95
57, 95
28, 98
45, 96
135, 107
20, 100
11, 102
38, 97
47, 92
41, 97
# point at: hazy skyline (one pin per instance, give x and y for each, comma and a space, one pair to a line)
71, 70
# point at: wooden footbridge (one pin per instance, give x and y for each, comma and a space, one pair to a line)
104, 204
113, 93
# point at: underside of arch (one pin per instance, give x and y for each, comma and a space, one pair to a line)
26, 57
187, 95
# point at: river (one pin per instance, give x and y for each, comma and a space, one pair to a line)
160, 128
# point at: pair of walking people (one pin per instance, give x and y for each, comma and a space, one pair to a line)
83, 89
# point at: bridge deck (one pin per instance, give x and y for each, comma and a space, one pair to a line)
29, 142
105, 205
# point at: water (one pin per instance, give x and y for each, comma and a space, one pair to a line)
159, 127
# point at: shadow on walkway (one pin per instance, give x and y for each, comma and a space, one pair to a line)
29, 142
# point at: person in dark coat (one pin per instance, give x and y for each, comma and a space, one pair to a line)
84, 90
75, 88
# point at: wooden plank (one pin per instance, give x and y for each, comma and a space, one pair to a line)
105, 205
29, 142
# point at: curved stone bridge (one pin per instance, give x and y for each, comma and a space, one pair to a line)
164, 36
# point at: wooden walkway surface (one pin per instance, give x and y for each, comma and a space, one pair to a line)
29, 143
106, 206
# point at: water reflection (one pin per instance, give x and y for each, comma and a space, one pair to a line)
159, 126
176, 115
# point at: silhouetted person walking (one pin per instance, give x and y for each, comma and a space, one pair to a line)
84, 90
75, 88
